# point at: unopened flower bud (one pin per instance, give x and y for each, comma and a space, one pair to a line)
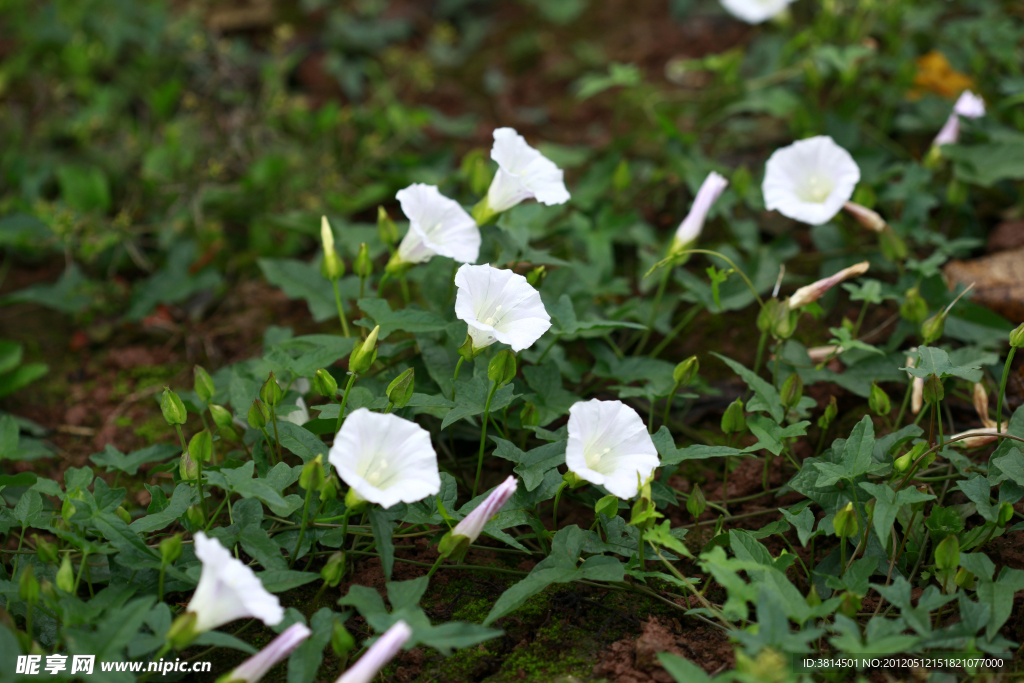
200, 447
203, 383
28, 585
386, 227
194, 515
933, 327
170, 548
334, 569
364, 354
332, 267
685, 372
696, 503
172, 408
792, 390
312, 477
502, 368
270, 392
878, 400
1005, 514
66, 575
815, 290
329, 490
325, 384
734, 420
866, 217
529, 416
466, 351
363, 265
342, 641
400, 390
845, 522
46, 551
535, 276
914, 308
947, 554
831, 410
1017, 337
902, 463
850, 605
933, 391
621, 178
964, 579
221, 416
813, 599
258, 414
123, 515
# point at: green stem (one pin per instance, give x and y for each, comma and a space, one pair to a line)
437, 563
544, 354
341, 311
842, 557
654, 310
687, 319
160, 584
779, 346
483, 439
380, 285
455, 376
277, 439
199, 476
1002, 389
216, 512
405, 289
860, 320
668, 407
554, 508
344, 400
302, 528
640, 549
760, 350
81, 568
17, 556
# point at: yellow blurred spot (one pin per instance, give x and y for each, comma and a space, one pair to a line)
936, 75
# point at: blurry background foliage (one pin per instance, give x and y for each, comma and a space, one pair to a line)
161, 148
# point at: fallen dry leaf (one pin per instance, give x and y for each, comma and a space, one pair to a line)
998, 281
935, 74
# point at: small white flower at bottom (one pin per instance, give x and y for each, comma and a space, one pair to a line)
379, 654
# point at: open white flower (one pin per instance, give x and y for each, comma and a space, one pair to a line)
257, 666
755, 11
437, 225
379, 654
816, 290
386, 459
609, 446
523, 172
499, 305
810, 180
473, 524
228, 590
300, 413
689, 230
967, 105
916, 387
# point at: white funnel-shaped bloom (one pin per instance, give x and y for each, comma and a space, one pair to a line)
379, 654
499, 305
228, 590
754, 11
816, 290
810, 180
689, 230
437, 225
609, 446
386, 459
523, 173
473, 524
967, 105
257, 666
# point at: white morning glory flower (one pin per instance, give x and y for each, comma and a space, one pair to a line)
609, 446
689, 230
754, 11
816, 290
523, 172
300, 413
379, 654
386, 459
228, 590
257, 666
473, 524
499, 305
969, 106
810, 180
437, 225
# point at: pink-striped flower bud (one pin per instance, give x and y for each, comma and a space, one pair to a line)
257, 666
379, 654
816, 290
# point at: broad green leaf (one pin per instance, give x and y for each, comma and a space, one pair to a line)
532, 465
281, 580
69, 294
888, 504
683, 670
180, 500
300, 440
471, 398
766, 397
113, 459
380, 523
173, 283
408, 319
770, 435
301, 280
304, 662
935, 361
670, 455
